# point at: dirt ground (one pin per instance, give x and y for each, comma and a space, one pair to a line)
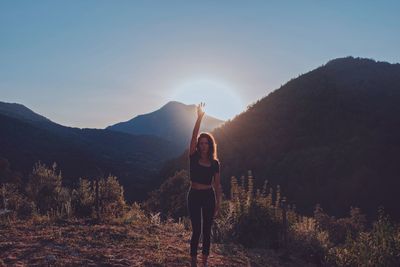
83, 244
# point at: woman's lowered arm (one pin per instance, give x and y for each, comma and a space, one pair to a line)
218, 192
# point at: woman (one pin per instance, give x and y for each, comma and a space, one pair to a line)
205, 184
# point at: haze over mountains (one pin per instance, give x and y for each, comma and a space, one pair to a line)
330, 136
173, 122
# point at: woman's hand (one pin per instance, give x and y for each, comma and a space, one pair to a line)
216, 210
200, 112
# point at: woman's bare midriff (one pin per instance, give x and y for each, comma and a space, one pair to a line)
195, 185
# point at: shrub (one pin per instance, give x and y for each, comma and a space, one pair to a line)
45, 190
255, 227
134, 215
171, 198
308, 241
83, 199
379, 247
111, 198
222, 228
252, 219
339, 229
14, 202
109, 201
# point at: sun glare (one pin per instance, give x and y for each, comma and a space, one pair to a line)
221, 100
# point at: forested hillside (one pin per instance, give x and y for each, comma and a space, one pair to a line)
329, 136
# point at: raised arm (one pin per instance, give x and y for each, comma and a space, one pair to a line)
200, 114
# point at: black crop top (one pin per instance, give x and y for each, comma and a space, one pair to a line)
202, 174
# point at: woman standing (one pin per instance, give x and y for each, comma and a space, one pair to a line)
205, 184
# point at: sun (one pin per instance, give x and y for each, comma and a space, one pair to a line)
221, 100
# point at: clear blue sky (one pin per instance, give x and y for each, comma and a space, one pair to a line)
95, 63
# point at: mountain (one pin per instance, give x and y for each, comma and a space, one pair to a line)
27, 137
330, 136
24, 114
174, 122
21, 112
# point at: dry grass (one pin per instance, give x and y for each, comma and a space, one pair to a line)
77, 243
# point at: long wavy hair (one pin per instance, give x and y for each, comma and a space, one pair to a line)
212, 145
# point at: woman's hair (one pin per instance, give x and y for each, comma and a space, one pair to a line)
212, 146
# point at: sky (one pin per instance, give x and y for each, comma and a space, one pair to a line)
91, 64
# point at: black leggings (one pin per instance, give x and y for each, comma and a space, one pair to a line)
201, 202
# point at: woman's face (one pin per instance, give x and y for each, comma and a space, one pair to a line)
203, 144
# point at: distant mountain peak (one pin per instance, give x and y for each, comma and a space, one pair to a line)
174, 122
173, 106
173, 103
